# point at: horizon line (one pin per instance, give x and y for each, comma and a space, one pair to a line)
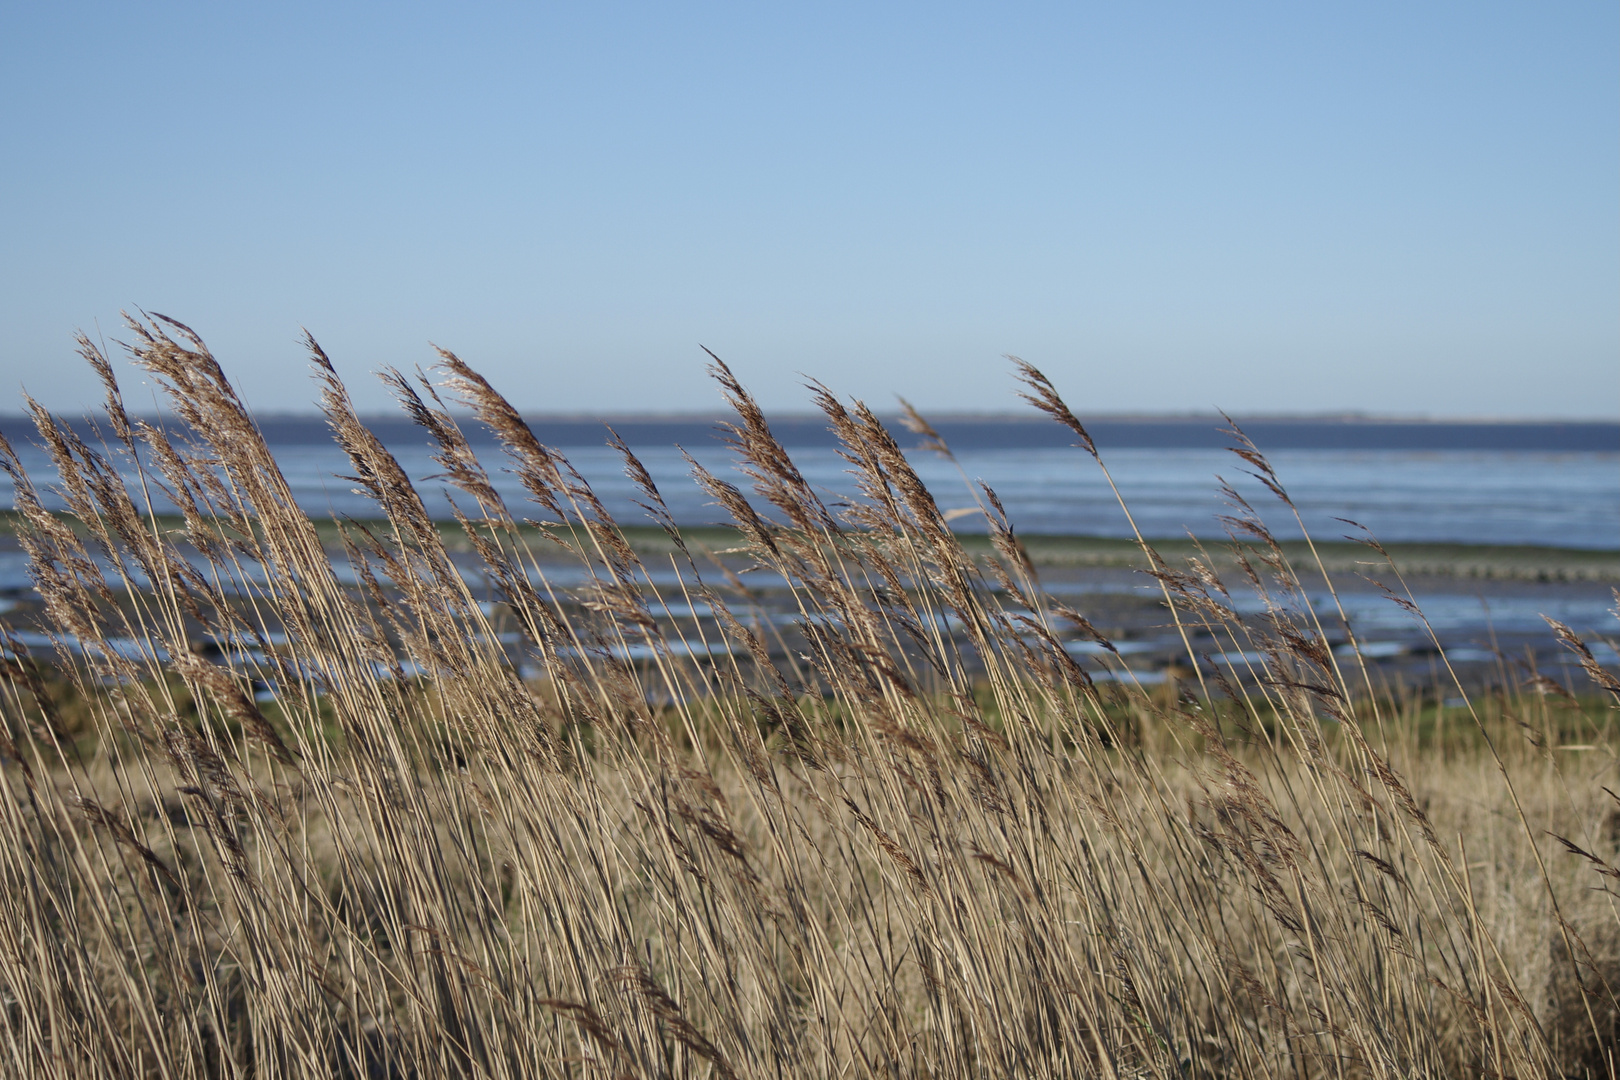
945, 416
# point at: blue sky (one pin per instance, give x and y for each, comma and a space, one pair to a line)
1393, 208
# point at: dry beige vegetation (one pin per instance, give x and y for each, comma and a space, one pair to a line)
909, 837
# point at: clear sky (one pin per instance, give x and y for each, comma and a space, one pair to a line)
1386, 207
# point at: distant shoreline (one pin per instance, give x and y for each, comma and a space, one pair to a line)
999, 431
1459, 560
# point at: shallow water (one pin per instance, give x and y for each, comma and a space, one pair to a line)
1545, 494
1511, 496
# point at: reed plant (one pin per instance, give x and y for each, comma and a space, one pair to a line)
384, 827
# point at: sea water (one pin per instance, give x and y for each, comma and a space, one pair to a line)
1493, 484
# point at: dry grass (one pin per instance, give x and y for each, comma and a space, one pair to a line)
907, 837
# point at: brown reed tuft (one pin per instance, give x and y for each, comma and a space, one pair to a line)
274, 807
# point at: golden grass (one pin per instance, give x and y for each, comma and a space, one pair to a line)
907, 837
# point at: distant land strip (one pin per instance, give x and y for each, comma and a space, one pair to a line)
1500, 562
994, 432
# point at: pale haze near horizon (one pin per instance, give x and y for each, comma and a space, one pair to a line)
1392, 209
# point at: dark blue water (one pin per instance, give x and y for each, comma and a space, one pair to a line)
1542, 484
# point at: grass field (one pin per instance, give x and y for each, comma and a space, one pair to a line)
305, 802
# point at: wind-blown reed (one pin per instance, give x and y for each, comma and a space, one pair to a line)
909, 836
